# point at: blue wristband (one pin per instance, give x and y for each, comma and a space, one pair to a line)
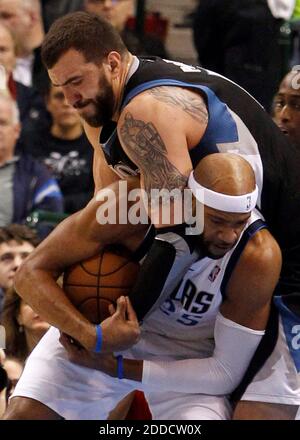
120, 367
98, 346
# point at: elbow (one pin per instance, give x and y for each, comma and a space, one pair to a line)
228, 384
22, 277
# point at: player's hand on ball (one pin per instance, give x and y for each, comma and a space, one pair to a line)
121, 330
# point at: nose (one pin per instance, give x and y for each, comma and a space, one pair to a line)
108, 3
71, 96
65, 102
284, 114
227, 236
17, 262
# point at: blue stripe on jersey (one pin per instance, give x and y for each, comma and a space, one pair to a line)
221, 128
291, 326
247, 234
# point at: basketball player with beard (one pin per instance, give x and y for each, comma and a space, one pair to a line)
160, 119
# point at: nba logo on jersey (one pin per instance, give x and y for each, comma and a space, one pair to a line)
214, 273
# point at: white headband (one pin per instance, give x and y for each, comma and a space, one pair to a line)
223, 202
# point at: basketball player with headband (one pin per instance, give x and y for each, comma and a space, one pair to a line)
196, 347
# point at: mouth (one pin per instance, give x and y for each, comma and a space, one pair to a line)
283, 130
223, 246
82, 105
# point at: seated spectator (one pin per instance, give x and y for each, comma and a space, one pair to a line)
286, 107
30, 103
53, 9
16, 243
25, 184
117, 13
24, 328
65, 150
23, 17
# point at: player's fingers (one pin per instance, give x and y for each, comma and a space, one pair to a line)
121, 307
131, 315
111, 309
68, 343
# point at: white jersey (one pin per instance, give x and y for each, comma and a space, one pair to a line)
184, 324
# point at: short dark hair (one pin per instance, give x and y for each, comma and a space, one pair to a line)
18, 233
87, 33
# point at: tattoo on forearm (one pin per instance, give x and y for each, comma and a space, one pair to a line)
194, 106
148, 151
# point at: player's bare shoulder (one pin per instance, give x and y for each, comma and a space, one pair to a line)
176, 99
174, 111
262, 253
257, 270
183, 99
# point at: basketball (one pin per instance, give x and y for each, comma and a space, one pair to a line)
97, 282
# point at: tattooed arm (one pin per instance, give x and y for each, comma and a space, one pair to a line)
157, 129
157, 132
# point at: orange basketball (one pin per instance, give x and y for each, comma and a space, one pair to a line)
99, 281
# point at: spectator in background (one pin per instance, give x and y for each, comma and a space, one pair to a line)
25, 184
23, 17
240, 39
53, 9
30, 103
16, 243
24, 328
286, 107
65, 150
117, 12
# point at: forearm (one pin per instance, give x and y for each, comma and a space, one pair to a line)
215, 375
36, 283
219, 374
51, 303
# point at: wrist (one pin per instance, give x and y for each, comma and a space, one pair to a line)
98, 345
133, 369
89, 339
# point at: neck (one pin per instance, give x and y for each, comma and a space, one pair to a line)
66, 133
121, 85
32, 339
5, 158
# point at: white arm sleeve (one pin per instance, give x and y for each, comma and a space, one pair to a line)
218, 375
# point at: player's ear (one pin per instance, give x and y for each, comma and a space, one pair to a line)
114, 62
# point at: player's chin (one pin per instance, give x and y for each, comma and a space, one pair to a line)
215, 252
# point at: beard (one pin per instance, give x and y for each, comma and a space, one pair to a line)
207, 250
103, 105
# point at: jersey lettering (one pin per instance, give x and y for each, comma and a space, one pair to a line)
296, 339
191, 304
184, 67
